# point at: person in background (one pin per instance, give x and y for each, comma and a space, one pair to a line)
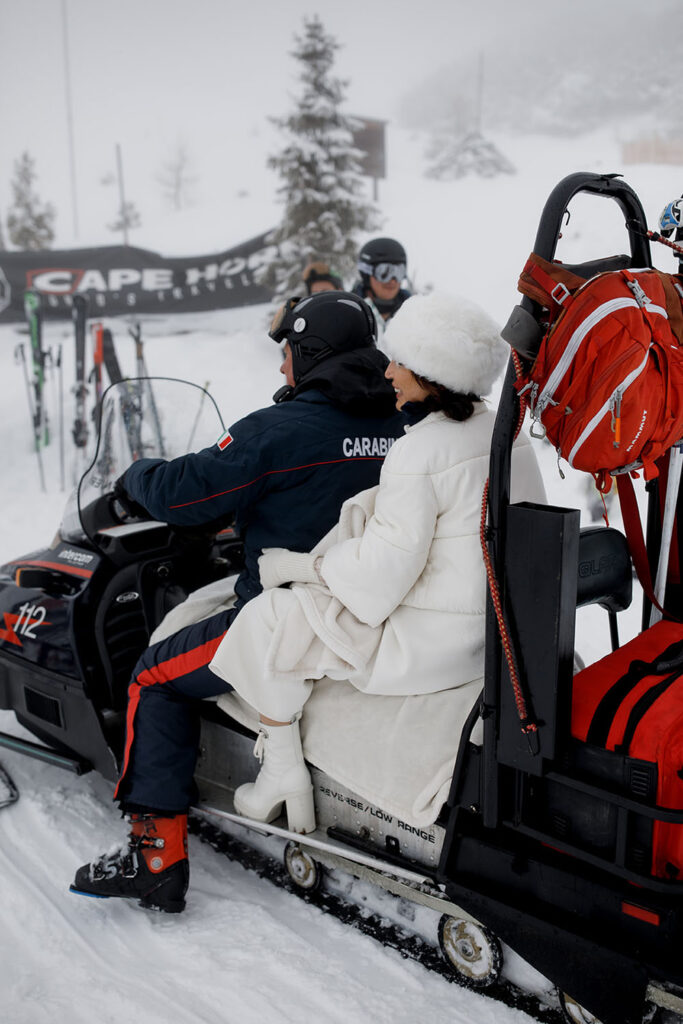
671, 223
393, 600
283, 473
382, 265
320, 277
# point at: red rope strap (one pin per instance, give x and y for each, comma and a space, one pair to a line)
528, 726
519, 372
656, 237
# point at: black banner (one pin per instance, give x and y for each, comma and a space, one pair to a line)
120, 280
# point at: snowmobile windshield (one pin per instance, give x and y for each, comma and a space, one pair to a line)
140, 418
70, 528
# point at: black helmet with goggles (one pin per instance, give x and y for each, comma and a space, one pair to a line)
321, 326
384, 259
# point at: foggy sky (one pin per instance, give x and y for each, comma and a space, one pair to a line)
151, 73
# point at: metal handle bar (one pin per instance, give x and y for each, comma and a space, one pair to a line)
608, 185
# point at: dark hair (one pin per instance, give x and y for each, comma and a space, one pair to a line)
455, 404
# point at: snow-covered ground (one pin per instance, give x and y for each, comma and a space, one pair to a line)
244, 951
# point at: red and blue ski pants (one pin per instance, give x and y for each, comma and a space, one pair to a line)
162, 723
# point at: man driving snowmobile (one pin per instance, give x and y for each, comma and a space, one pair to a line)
283, 472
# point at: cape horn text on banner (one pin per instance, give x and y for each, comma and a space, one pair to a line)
119, 280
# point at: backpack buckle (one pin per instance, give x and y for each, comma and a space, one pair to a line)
638, 293
537, 429
559, 293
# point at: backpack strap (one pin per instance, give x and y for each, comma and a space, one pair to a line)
548, 284
634, 537
674, 302
640, 709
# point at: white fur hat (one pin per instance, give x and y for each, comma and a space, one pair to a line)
447, 339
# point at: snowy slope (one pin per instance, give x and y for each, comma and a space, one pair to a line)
244, 952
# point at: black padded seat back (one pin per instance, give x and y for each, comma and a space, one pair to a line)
605, 575
600, 266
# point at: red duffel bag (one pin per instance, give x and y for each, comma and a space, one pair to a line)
631, 702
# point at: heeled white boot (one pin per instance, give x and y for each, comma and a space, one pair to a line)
284, 778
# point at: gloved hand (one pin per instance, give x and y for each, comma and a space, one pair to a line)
278, 565
124, 506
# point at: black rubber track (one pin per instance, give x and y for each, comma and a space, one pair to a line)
409, 946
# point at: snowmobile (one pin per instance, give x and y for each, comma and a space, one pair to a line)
541, 850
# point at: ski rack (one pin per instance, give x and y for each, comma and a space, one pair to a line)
560, 909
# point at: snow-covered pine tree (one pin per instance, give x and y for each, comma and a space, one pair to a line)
457, 156
322, 190
461, 147
30, 223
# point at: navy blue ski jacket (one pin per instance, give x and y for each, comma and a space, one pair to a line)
283, 472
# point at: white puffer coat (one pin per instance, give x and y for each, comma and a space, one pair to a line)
403, 608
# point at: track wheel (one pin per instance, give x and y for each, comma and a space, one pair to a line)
574, 1012
472, 951
301, 868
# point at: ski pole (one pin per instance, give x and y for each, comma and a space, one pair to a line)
61, 415
20, 355
670, 502
196, 419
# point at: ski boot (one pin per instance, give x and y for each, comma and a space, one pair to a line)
283, 779
153, 869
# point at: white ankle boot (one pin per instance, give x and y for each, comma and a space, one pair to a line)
284, 778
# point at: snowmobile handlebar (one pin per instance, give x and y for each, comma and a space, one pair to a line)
107, 511
103, 513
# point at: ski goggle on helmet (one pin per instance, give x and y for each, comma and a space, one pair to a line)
384, 272
283, 321
320, 326
671, 219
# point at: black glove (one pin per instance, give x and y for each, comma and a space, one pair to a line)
124, 506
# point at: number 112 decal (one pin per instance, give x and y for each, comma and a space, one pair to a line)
30, 617
22, 623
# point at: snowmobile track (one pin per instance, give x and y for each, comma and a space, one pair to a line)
409, 946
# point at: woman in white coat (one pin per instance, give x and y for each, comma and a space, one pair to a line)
393, 599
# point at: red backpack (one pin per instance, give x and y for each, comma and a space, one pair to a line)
607, 384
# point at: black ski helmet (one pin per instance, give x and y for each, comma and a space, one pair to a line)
321, 326
380, 250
